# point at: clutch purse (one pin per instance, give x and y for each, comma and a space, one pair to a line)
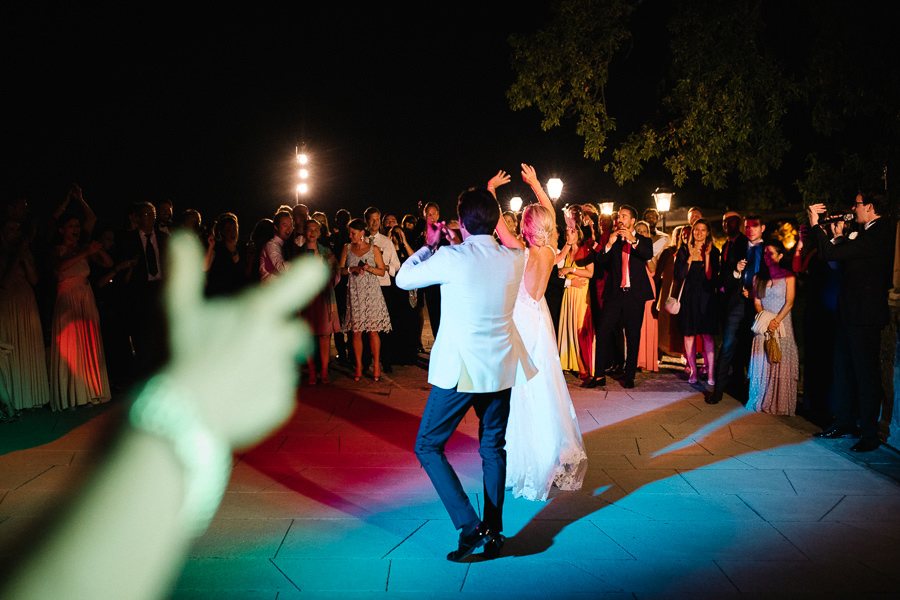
673, 305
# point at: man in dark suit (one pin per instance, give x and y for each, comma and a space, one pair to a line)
146, 318
626, 291
741, 259
865, 263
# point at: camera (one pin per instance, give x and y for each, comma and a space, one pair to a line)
845, 217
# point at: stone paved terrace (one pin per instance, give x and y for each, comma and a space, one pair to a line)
682, 500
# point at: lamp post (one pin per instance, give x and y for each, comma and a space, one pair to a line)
663, 198
302, 173
554, 188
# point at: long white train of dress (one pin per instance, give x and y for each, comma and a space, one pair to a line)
543, 441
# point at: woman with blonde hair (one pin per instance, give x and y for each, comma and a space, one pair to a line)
543, 441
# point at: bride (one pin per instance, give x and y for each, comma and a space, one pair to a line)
543, 441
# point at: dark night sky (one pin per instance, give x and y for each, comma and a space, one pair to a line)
205, 108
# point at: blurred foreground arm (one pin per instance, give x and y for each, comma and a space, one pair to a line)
231, 380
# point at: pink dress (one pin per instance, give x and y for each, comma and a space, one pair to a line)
77, 365
648, 354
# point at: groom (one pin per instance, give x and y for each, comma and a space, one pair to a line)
476, 359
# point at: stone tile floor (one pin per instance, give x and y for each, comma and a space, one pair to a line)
681, 500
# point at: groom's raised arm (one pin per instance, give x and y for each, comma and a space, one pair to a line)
421, 270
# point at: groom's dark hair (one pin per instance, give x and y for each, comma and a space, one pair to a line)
478, 211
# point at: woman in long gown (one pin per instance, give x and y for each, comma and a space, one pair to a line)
543, 441
648, 354
773, 386
77, 364
576, 332
366, 309
20, 323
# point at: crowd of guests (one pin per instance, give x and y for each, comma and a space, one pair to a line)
631, 293
86, 291
622, 293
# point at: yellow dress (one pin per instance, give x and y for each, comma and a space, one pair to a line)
575, 336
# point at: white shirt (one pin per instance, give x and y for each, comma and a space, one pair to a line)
388, 255
152, 237
660, 242
271, 259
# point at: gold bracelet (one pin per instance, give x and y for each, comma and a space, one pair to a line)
164, 410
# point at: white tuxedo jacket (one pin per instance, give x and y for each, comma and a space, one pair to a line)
478, 348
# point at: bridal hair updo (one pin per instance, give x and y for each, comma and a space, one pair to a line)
538, 225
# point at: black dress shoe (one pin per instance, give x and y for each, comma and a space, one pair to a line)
594, 382
492, 548
469, 543
833, 433
714, 398
865, 445
628, 384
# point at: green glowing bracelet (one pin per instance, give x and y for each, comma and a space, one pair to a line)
164, 410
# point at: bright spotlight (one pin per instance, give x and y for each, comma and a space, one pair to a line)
303, 159
302, 188
304, 173
515, 203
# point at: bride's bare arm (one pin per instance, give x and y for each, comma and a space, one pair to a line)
529, 176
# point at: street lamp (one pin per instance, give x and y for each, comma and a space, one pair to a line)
663, 198
515, 203
302, 173
606, 208
554, 188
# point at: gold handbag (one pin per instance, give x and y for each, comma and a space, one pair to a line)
773, 350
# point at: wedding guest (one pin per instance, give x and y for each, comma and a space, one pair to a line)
576, 330
109, 285
389, 290
670, 339
261, 234
773, 385
324, 229
660, 238
741, 258
865, 263
146, 318
272, 259
696, 266
648, 353
321, 313
366, 310
340, 237
432, 294
625, 257
77, 364
225, 262
20, 323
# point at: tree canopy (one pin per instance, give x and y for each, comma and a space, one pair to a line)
740, 90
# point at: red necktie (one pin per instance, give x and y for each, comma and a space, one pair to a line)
626, 251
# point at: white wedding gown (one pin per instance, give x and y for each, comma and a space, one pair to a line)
543, 441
